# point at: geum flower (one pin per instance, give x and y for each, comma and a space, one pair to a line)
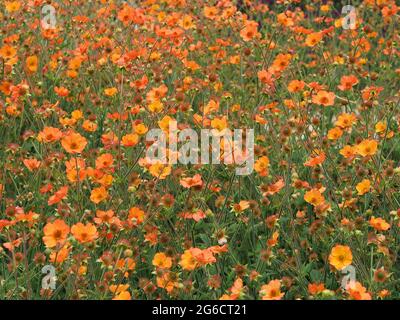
340, 257
55, 233
74, 143
84, 233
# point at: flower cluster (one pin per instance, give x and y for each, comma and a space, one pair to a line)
77, 191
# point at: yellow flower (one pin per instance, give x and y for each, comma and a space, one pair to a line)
110, 92
161, 260
156, 106
340, 257
367, 148
12, 6
314, 197
363, 187
32, 63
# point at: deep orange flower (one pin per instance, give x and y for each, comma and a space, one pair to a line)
316, 160
12, 6
58, 196
61, 91
348, 151
315, 288
104, 216
188, 261
358, 292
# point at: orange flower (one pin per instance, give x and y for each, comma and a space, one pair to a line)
367, 148
363, 187
58, 196
12, 244
7, 52
98, 194
32, 164
315, 288
188, 261
55, 233
335, 133
140, 129
274, 188
12, 6
261, 166
124, 295
249, 31
61, 255
346, 120
162, 261
104, 161
137, 215
271, 291
32, 64
49, 134
110, 92
324, 98
84, 233
348, 151
340, 257
115, 289
296, 86
379, 224
265, 77
358, 292
168, 281
104, 216
314, 161
130, 140
160, 170
313, 39
61, 91
241, 206
75, 169
73, 143
314, 197
347, 82
191, 182
210, 12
